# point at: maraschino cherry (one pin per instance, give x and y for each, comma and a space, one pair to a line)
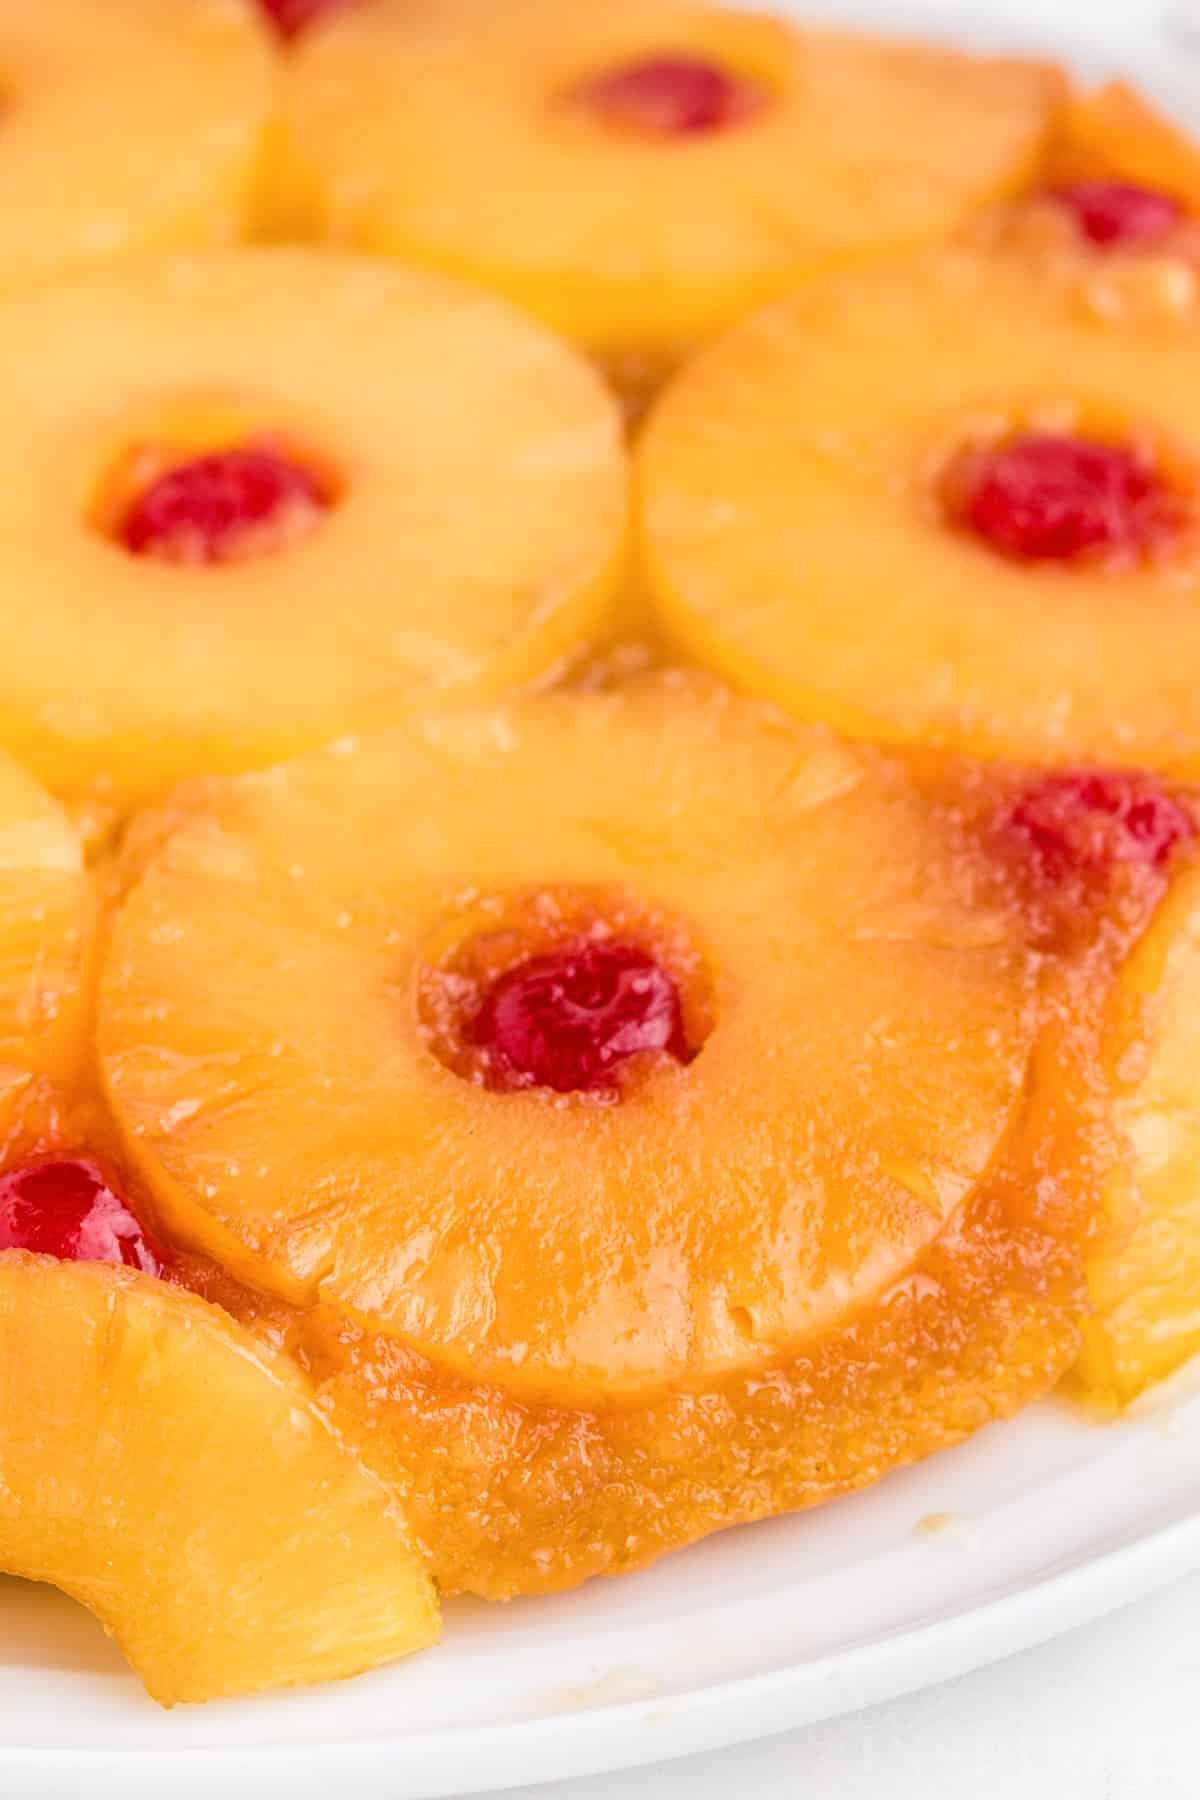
1115, 213
1089, 822
1051, 497
66, 1207
671, 95
570, 1018
223, 506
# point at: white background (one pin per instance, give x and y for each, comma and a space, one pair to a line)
1110, 1712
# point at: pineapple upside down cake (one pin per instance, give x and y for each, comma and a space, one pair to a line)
557, 1109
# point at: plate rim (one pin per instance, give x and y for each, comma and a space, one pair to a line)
606, 1738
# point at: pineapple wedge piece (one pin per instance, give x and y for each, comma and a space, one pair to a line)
1145, 1282
163, 1468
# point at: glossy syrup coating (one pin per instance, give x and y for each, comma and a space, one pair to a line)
985, 551
518, 1290
639, 173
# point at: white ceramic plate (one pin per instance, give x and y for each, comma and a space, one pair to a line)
1045, 1522
1040, 1525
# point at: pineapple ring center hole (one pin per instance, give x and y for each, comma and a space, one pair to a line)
568, 992
200, 506
1060, 491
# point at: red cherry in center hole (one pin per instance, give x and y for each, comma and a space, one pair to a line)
224, 506
291, 17
67, 1208
568, 1019
1050, 497
1111, 213
671, 95
1089, 821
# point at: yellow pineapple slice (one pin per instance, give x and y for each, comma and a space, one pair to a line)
256, 497
607, 1047
46, 917
994, 548
639, 173
160, 1466
127, 124
1146, 1282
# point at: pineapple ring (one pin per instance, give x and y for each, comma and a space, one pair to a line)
794, 537
129, 1414
1145, 1281
46, 917
628, 244
262, 1044
474, 541
127, 124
